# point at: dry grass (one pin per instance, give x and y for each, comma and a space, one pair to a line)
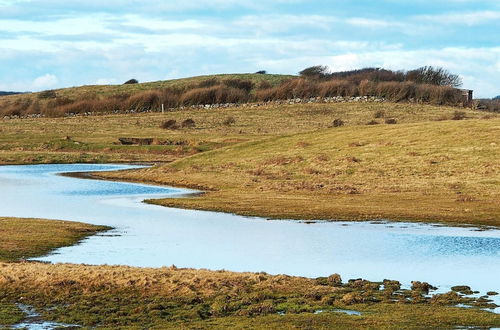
415, 172
93, 139
169, 297
26, 238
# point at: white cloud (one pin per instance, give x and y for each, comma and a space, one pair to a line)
45, 81
462, 18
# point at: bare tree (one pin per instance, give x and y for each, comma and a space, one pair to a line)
434, 76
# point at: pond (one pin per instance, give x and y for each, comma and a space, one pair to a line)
154, 236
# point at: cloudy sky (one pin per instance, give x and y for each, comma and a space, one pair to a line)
56, 43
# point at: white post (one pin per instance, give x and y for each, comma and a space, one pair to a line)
162, 108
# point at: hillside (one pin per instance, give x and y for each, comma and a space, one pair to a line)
9, 93
227, 90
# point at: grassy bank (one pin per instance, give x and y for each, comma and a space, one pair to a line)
429, 171
110, 297
27, 238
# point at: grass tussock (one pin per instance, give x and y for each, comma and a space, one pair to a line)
170, 297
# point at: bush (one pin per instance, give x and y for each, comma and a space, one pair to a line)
169, 124
291, 89
261, 72
188, 123
211, 82
337, 88
229, 121
214, 95
459, 115
145, 101
245, 85
379, 114
372, 122
338, 123
131, 81
434, 76
315, 72
391, 121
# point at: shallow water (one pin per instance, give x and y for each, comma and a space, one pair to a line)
154, 236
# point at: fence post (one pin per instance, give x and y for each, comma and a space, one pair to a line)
162, 108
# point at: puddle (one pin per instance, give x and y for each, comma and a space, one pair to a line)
33, 321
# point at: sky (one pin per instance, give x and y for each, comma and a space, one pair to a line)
46, 44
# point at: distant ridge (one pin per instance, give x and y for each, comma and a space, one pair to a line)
10, 93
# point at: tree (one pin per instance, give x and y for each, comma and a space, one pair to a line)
496, 97
317, 72
131, 81
434, 76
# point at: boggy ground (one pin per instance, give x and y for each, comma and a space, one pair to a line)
114, 297
27, 238
126, 297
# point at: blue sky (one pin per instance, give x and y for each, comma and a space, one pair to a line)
55, 43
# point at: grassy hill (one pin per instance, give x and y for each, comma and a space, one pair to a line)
219, 89
75, 93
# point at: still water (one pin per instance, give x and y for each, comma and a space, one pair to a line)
154, 236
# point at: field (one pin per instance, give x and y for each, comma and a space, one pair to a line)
351, 161
289, 162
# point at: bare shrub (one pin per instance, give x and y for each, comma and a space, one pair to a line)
367, 88
434, 76
245, 85
188, 123
144, 101
459, 115
229, 121
291, 89
391, 121
169, 124
214, 95
338, 88
211, 82
338, 123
